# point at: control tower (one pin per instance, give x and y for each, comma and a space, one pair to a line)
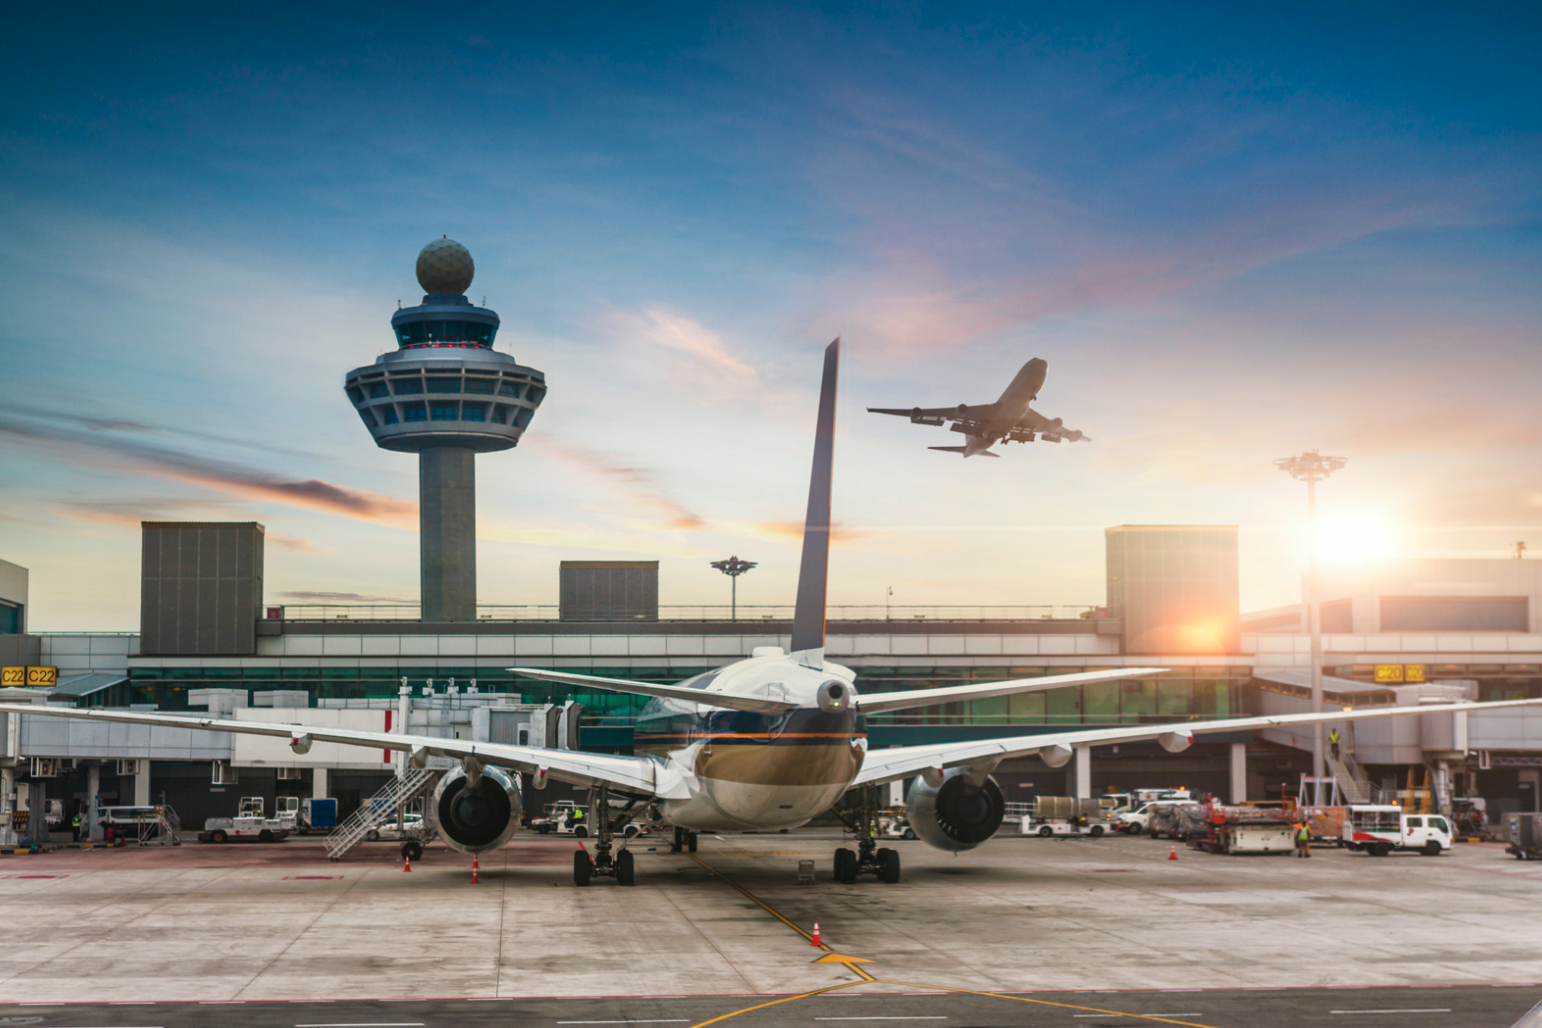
446, 395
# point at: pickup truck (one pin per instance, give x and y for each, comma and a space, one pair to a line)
1378, 830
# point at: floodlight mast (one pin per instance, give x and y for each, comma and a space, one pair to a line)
1312, 467
733, 567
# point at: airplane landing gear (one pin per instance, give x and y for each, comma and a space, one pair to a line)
683, 842
602, 863
869, 859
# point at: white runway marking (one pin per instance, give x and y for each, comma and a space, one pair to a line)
1421, 1010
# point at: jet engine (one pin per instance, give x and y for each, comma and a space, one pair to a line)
955, 815
476, 818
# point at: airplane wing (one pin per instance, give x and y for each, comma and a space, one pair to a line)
903, 761
971, 417
702, 696
1051, 429
879, 702
633, 774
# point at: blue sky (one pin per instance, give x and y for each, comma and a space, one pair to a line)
1233, 236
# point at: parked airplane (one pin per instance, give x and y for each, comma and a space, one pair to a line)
763, 743
1010, 419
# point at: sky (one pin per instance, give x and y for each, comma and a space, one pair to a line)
1234, 235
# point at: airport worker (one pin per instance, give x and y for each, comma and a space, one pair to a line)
75, 827
578, 814
1333, 742
1303, 840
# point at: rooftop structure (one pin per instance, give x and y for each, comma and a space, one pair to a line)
446, 395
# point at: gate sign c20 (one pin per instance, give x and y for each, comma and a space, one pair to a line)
1389, 673
16, 676
44, 677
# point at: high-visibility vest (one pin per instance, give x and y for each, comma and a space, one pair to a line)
1303, 834
1333, 736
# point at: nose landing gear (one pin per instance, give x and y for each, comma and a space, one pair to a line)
602, 863
883, 863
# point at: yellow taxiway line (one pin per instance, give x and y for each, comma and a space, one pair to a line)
831, 957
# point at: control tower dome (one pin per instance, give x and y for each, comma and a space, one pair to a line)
446, 395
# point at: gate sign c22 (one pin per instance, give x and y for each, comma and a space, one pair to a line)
42, 677
13, 676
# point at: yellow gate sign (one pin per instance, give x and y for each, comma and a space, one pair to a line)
16, 676
1413, 672
1386, 673
42, 677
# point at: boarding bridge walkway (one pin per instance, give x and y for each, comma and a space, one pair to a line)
379, 809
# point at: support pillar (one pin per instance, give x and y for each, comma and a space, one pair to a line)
319, 784
1239, 772
93, 801
447, 526
1083, 772
141, 783
7, 804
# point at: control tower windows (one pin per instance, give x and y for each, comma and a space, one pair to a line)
369, 419
501, 413
444, 385
378, 389
408, 385
480, 385
511, 389
536, 395
388, 415
416, 333
444, 412
356, 394
473, 412
414, 412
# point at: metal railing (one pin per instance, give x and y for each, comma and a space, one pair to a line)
377, 810
749, 615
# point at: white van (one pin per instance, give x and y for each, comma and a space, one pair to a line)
1133, 822
1378, 830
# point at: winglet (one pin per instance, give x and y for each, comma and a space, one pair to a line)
808, 622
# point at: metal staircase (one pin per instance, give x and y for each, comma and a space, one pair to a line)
164, 829
377, 810
1350, 779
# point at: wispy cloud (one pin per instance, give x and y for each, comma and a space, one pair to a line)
686, 351
119, 454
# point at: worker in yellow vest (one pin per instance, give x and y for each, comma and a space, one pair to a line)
1333, 742
1303, 840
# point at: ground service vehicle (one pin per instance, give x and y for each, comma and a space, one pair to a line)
1065, 816
895, 826
1134, 821
1523, 832
1378, 830
412, 828
306, 817
248, 824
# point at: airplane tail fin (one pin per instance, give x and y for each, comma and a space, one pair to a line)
963, 450
808, 622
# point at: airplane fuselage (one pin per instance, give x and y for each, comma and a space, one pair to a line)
1013, 405
745, 770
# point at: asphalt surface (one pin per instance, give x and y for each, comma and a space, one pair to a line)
1451, 1007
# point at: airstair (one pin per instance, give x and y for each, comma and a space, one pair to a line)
378, 810
165, 828
1350, 779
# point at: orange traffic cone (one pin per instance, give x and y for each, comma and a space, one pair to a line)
406, 862
1174, 854
814, 940
474, 879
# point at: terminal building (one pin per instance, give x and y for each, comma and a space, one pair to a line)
1395, 632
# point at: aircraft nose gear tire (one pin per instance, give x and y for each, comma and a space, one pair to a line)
690, 842
845, 866
412, 850
582, 868
602, 862
888, 866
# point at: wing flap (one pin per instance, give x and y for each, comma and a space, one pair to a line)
897, 762
877, 703
636, 774
704, 697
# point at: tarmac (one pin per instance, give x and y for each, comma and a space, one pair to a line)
1112, 921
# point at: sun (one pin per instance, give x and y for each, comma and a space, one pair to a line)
1360, 538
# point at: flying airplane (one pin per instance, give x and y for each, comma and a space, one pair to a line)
763, 743
1010, 419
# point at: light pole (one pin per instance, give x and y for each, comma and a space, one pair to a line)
733, 567
1312, 467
